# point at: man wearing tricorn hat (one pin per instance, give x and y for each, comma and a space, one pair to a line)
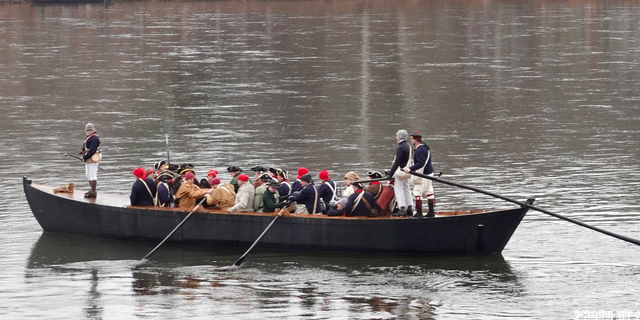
234, 171
422, 164
283, 177
90, 147
271, 197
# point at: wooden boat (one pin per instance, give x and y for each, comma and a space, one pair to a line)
109, 216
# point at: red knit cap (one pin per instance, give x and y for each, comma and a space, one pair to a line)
302, 171
149, 171
138, 172
189, 175
243, 177
324, 175
214, 181
213, 173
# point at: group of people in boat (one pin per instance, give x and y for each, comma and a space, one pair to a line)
168, 185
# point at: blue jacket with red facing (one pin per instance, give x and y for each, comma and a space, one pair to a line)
306, 197
422, 155
91, 144
140, 196
325, 192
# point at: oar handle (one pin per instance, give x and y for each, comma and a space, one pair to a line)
524, 204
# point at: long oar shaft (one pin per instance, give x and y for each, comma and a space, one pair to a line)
174, 229
239, 261
371, 180
609, 233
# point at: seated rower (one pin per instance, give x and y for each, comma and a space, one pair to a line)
143, 190
223, 195
189, 192
260, 186
339, 209
258, 171
273, 172
271, 197
307, 201
327, 190
375, 188
244, 197
285, 188
160, 166
360, 203
348, 179
296, 185
212, 174
150, 173
235, 171
165, 194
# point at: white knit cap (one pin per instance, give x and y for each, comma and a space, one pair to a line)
402, 134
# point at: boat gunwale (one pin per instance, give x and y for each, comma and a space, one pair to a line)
386, 217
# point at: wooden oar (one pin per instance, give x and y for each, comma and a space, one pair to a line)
609, 233
176, 228
70, 155
370, 180
239, 261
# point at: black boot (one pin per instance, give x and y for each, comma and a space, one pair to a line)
409, 211
431, 203
401, 213
418, 214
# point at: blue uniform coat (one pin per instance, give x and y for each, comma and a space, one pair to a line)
140, 195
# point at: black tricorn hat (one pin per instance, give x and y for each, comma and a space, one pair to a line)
282, 173
186, 166
234, 169
259, 169
167, 175
159, 164
374, 174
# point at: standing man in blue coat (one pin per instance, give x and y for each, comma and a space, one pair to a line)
91, 147
422, 188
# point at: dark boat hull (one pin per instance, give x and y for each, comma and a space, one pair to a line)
483, 233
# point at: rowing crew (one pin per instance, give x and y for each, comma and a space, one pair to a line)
179, 187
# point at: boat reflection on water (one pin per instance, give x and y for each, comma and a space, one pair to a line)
387, 284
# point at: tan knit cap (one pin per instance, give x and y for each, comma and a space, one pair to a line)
352, 176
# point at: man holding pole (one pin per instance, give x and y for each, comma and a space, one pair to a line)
422, 164
91, 157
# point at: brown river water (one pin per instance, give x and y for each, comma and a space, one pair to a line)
521, 98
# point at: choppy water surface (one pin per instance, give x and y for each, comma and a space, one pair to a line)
524, 98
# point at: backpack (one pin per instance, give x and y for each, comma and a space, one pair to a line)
257, 198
